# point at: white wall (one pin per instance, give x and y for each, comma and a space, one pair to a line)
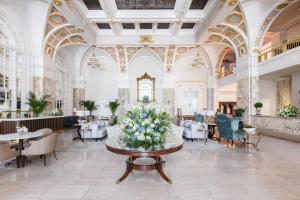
268, 96
226, 94
101, 85
296, 89
190, 80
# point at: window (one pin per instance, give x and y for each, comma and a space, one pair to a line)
7, 65
60, 78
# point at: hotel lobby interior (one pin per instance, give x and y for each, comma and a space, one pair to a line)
149, 99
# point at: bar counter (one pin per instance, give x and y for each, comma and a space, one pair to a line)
286, 128
32, 123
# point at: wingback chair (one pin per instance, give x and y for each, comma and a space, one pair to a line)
199, 117
42, 147
6, 152
229, 129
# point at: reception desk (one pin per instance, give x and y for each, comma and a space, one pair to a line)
33, 123
287, 128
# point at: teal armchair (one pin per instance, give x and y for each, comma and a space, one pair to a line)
199, 117
229, 129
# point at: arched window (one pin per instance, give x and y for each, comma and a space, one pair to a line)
8, 73
60, 78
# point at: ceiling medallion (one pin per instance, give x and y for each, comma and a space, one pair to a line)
146, 40
281, 6
56, 19
198, 61
234, 18
232, 2
215, 38
57, 2
93, 61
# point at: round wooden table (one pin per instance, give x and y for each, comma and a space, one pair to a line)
115, 145
19, 138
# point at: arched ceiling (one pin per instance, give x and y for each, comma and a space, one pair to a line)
59, 32
232, 31
269, 20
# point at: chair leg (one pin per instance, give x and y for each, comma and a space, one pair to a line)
227, 142
54, 154
45, 160
232, 142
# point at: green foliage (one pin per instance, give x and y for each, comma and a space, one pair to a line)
113, 105
239, 112
258, 105
145, 128
37, 106
89, 105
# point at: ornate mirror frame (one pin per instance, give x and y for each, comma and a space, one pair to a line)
145, 77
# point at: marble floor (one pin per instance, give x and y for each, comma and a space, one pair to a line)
211, 171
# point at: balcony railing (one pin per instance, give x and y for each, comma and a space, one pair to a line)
279, 48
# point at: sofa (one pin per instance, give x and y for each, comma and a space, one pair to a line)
94, 130
194, 130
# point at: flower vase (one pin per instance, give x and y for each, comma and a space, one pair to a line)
258, 111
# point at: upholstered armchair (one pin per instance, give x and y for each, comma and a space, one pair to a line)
199, 117
229, 129
177, 130
6, 152
114, 131
194, 130
96, 130
42, 147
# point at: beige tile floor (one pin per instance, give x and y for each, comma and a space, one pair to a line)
211, 171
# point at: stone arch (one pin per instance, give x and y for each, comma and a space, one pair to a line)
266, 24
145, 50
87, 53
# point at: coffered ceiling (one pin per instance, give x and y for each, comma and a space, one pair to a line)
166, 19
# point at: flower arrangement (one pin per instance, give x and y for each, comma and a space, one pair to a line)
287, 111
145, 128
21, 129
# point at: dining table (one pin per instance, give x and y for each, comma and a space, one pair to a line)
19, 139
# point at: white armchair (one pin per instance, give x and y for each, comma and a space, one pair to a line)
114, 131
42, 147
6, 152
194, 130
94, 130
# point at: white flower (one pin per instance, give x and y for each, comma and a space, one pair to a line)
141, 137
148, 137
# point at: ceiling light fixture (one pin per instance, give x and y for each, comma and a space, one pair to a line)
93, 61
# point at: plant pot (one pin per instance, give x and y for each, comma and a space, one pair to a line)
258, 110
113, 120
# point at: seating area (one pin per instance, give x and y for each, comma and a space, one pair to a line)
149, 99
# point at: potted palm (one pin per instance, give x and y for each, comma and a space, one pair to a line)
89, 105
258, 106
113, 105
37, 105
239, 112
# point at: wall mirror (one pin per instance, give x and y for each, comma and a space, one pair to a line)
146, 88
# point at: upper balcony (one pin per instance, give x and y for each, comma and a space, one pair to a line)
284, 45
